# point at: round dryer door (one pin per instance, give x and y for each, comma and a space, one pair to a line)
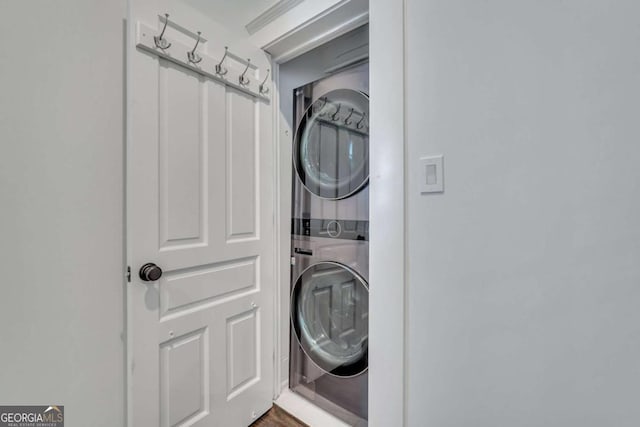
330, 318
331, 149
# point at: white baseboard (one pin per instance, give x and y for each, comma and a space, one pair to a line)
306, 411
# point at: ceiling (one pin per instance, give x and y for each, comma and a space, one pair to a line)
232, 13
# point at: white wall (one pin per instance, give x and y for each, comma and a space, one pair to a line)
61, 207
524, 276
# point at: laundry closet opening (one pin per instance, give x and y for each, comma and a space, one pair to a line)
324, 171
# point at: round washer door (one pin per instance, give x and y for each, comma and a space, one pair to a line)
330, 318
331, 148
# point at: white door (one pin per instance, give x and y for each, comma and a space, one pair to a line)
200, 196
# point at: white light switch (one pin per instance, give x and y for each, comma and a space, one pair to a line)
431, 176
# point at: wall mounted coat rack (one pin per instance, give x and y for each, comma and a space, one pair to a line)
159, 43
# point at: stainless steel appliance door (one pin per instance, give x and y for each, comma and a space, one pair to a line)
330, 311
331, 149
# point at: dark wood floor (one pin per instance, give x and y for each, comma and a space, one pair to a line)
277, 417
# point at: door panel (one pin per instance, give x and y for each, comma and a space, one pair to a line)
242, 351
208, 285
200, 206
241, 146
183, 382
182, 107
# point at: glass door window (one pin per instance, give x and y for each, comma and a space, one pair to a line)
330, 311
331, 149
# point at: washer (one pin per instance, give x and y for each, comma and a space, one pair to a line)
330, 325
330, 245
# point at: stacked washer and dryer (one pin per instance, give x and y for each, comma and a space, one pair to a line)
330, 244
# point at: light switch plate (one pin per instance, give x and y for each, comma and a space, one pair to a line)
431, 175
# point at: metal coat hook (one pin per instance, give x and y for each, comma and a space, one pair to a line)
220, 70
359, 125
264, 90
194, 58
160, 41
334, 116
347, 120
319, 109
242, 79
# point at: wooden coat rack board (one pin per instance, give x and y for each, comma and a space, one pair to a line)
152, 41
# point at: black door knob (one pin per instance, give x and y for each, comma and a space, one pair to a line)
150, 272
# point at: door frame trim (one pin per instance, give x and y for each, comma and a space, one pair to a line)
388, 199
387, 58
284, 135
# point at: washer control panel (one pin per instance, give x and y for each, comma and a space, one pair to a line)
331, 228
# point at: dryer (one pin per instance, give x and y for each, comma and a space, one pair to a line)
331, 149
